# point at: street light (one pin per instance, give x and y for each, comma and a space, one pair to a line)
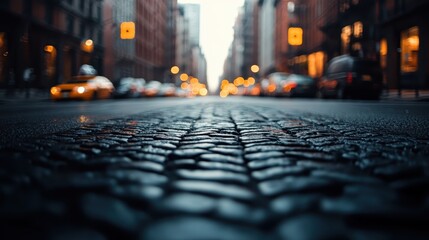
175, 70
184, 77
254, 68
87, 45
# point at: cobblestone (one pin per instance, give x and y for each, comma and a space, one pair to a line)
216, 172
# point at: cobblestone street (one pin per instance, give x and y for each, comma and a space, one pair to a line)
216, 171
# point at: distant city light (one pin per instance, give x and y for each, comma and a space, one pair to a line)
175, 70
254, 68
184, 77
89, 42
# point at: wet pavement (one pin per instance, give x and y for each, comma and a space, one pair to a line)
216, 171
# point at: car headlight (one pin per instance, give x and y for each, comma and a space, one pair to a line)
80, 90
55, 90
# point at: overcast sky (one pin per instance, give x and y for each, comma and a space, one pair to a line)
216, 33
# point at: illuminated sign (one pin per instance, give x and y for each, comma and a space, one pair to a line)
295, 36
128, 30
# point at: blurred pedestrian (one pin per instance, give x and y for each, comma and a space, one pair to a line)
28, 78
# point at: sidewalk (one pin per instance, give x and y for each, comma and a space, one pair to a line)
405, 95
19, 95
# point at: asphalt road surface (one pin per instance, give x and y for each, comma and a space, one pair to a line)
25, 120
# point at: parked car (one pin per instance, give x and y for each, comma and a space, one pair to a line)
130, 88
348, 76
271, 86
167, 90
152, 88
84, 88
296, 85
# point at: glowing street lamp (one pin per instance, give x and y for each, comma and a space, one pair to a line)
87, 45
175, 70
184, 77
254, 68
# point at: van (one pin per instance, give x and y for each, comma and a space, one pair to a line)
347, 76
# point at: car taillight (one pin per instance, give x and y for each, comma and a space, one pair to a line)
289, 86
349, 78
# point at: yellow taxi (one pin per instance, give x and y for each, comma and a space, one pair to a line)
84, 88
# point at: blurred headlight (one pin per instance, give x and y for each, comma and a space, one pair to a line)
55, 90
80, 90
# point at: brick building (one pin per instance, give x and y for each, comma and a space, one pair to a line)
152, 52
52, 37
404, 43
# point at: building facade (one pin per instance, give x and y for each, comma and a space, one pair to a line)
192, 13
393, 32
152, 52
266, 34
52, 37
248, 36
404, 43
189, 56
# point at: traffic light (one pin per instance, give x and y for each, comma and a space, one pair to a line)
128, 30
295, 36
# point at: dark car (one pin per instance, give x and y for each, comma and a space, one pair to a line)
130, 88
296, 85
348, 76
271, 86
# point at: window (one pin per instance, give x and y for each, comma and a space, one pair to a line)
357, 29
50, 61
49, 15
383, 53
82, 5
82, 29
70, 24
345, 38
409, 50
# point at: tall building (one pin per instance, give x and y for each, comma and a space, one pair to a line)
124, 50
319, 21
170, 39
183, 45
393, 32
52, 37
192, 13
189, 55
152, 52
248, 34
266, 36
151, 37
404, 43
285, 18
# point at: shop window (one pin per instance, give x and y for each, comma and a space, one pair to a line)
409, 50
357, 29
345, 38
70, 24
316, 63
50, 61
383, 53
